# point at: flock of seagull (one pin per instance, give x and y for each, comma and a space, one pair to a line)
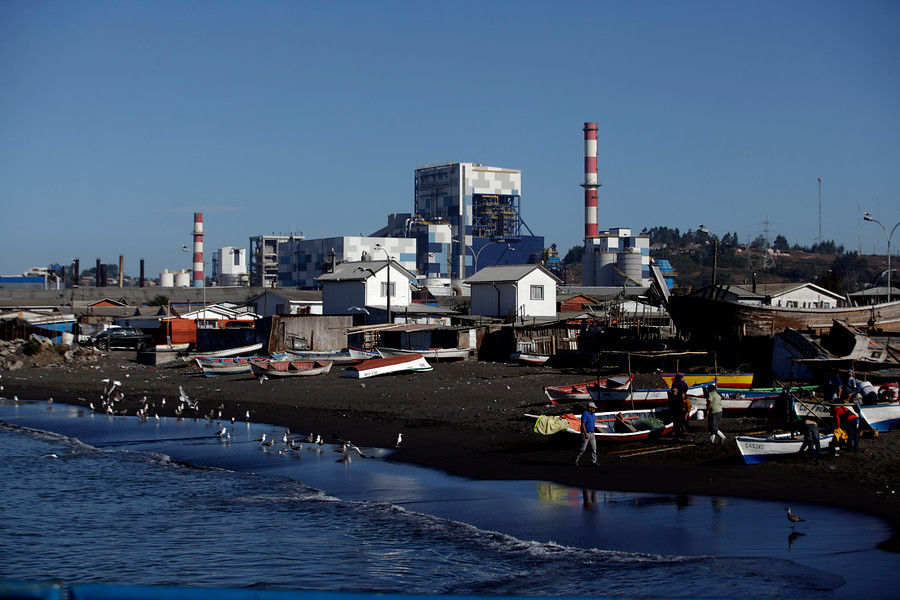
112, 398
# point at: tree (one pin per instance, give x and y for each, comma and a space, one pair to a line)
573, 255
159, 300
781, 244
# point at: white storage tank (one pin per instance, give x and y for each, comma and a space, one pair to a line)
182, 279
630, 264
166, 279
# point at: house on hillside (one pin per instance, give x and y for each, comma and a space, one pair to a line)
519, 291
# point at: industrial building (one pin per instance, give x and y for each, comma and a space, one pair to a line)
230, 267
612, 258
264, 259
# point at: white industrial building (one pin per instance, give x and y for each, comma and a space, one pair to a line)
616, 258
302, 261
232, 267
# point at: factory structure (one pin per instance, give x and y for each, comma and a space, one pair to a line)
465, 216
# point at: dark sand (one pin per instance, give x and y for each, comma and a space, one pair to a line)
468, 419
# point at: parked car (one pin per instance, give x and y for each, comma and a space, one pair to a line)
121, 338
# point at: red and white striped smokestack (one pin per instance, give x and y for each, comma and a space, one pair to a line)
199, 279
591, 183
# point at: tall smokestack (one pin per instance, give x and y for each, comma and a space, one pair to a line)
121, 270
591, 183
97, 281
199, 279
142, 273
76, 275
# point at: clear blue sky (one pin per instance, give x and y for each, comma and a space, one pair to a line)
120, 119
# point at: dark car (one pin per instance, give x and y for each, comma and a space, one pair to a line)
122, 337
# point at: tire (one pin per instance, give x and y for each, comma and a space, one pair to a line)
141, 346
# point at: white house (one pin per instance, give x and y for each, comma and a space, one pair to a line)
787, 295
284, 301
523, 291
364, 286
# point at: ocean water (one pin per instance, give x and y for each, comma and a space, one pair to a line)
89, 498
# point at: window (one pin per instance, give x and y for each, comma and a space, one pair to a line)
537, 292
384, 289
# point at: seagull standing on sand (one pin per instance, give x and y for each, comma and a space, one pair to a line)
399, 439
794, 519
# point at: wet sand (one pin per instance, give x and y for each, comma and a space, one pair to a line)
468, 419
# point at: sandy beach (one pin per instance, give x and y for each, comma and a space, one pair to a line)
467, 418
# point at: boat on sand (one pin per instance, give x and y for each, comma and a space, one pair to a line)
290, 368
388, 366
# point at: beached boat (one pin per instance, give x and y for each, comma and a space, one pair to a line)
734, 381
618, 398
388, 366
757, 449
634, 425
213, 365
338, 357
228, 352
747, 400
531, 360
881, 417
169, 348
430, 354
700, 316
290, 368
579, 391
359, 354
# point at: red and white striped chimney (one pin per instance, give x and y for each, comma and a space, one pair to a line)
591, 183
199, 279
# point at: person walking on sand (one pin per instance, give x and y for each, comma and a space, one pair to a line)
677, 401
713, 413
588, 422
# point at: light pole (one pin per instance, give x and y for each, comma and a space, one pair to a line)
715, 253
186, 249
475, 255
869, 217
388, 294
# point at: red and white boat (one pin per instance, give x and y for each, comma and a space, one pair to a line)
290, 368
634, 425
408, 363
579, 391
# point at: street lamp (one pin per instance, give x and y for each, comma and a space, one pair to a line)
475, 255
186, 249
869, 217
388, 294
715, 253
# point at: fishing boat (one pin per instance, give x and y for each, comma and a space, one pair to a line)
881, 417
713, 317
228, 352
530, 360
409, 363
763, 399
579, 391
757, 449
430, 354
214, 365
613, 426
359, 354
734, 381
338, 357
615, 399
290, 368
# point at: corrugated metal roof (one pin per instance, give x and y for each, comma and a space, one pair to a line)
507, 273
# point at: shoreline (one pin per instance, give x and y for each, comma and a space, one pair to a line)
467, 419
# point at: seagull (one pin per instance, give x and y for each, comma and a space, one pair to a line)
261, 439
348, 446
221, 432
794, 519
262, 378
310, 438
247, 415
268, 444
49, 455
399, 439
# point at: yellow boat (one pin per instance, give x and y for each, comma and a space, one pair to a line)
732, 381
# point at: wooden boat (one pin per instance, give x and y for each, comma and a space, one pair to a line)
359, 354
757, 449
430, 354
338, 357
169, 348
615, 399
700, 316
387, 366
229, 352
881, 417
290, 368
735, 381
214, 365
579, 391
748, 400
531, 360
607, 429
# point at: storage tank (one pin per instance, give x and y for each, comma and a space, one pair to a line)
630, 264
166, 279
182, 279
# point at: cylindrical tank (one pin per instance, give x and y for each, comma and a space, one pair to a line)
166, 279
182, 279
630, 264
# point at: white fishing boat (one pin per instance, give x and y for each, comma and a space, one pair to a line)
530, 360
757, 449
215, 365
290, 368
359, 354
579, 391
340, 357
388, 366
613, 426
617, 398
430, 354
228, 352
881, 417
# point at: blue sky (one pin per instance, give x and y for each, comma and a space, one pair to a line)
119, 120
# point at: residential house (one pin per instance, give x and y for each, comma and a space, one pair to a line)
517, 291
366, 288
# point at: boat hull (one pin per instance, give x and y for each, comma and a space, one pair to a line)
388, 366
881, 417
579, 391
734, 381
290, 368
430, 354
615, 399
215, 366
759, 449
